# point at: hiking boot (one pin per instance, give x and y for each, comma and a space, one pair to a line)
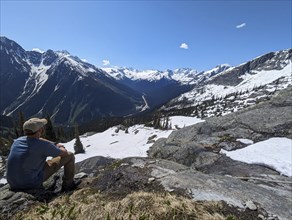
72, 186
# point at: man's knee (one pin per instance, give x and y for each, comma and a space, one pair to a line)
71, 156
68, 158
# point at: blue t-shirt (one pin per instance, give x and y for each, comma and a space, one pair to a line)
25, 164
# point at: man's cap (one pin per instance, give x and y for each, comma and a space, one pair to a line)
34, 124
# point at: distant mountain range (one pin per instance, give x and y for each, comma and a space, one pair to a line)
73, 91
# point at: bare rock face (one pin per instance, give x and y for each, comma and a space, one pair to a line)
234, 191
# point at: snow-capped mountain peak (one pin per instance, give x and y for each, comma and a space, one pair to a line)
63, 53
184, 76
50, 58
218, 69
120, 73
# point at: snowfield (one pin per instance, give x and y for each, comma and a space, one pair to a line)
120, 145
275, 152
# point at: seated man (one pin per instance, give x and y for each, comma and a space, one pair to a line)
27, 167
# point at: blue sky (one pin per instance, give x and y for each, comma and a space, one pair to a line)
151, 34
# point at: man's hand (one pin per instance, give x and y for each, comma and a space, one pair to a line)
60, 146
63, 152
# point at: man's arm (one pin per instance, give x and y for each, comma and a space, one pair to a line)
64, 152
43, 139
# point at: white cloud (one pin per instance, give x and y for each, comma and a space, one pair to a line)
84, 60
37, 50
241, 25
105, 62
184, 46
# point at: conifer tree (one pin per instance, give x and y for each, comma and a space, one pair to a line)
16, 132
78, 146
61, 134
163, 123
157, 121
166, 123
2, 146
50, 133
5, 145
21, 121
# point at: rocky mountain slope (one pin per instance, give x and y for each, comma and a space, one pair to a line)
237, 87
61, 85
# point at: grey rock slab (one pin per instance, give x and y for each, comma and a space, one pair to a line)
214, 187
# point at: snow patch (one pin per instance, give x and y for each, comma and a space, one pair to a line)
39, 72
146, 106
121, 144
38, 50
274, 152
3, 181
78, 65
183, 121
245, 141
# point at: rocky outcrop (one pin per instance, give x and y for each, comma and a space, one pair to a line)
198, 145
117, 178
152, 175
